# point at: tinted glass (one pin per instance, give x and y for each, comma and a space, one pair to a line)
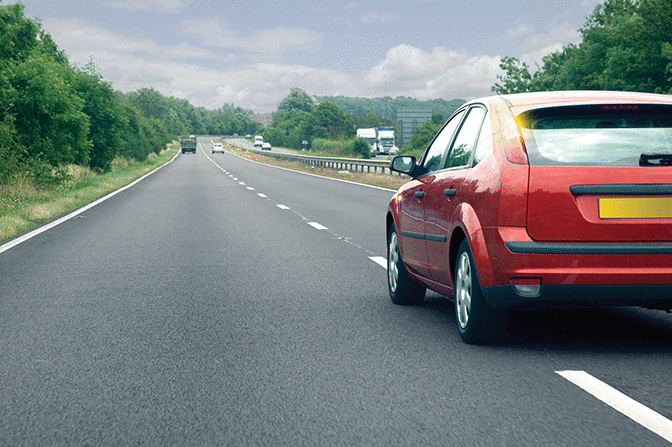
605, 135
437, 149
466, 139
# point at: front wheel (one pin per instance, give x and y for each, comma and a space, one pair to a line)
403, 290
477, 322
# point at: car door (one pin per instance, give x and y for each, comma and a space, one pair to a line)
412, 201
450, 187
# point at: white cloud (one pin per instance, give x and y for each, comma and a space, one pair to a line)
273, 42
377, 17
164, 6
129, 62
534, 46
559, 35
410, 71
80, 37
518, 32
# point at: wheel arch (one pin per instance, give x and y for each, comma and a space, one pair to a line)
469, 227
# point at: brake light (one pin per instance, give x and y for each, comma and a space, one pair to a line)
619, 107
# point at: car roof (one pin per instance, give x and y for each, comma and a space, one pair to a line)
520, 102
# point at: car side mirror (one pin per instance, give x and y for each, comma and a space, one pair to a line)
404, 164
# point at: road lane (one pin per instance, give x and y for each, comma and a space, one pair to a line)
189, 310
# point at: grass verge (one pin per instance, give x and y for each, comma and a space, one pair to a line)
24, 206
381, 180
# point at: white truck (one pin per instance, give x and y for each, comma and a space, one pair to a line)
385, 143
381, 139
258, 141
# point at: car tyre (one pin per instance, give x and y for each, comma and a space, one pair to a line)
477, 322
403, 290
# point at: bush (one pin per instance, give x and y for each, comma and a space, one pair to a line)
354, 148
361, 147
45, 175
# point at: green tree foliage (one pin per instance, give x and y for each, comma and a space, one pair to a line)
103, 110
369, 120
49, 117
517, 77
328, 120
292, 126
296, 100
289, 129
625, 46
361, 147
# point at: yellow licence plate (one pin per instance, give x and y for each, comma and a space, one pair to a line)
636, 208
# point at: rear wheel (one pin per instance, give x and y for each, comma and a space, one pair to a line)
477, 322
403, 290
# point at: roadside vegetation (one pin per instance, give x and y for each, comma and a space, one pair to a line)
43, 194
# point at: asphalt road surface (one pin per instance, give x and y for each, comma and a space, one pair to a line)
224, 302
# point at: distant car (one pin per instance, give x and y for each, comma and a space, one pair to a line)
537, 200
217, 147
258, 140
266, 146
248, 136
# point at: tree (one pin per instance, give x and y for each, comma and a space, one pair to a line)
516, 79
328, 120
50, 121
102, 108
296, 100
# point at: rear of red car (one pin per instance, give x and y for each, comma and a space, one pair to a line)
599, 205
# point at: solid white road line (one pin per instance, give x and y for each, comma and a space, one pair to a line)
619, 401
317, 226
379, 260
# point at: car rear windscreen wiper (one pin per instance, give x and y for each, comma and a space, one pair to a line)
655, 160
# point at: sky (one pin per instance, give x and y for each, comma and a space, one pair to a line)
250, 53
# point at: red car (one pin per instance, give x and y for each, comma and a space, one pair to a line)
537, 200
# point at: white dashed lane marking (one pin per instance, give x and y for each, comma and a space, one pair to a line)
622, 403
317, 226
379, 260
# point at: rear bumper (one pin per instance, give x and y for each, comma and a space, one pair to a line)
575, 274
581, 296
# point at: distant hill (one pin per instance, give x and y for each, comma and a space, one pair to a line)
387, 107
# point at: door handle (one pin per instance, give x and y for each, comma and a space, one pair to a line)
419, 194
449, 192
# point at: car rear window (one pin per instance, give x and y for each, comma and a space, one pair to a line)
598, 135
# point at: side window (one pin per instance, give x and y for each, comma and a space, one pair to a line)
438, 147
466, 139
484, 145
